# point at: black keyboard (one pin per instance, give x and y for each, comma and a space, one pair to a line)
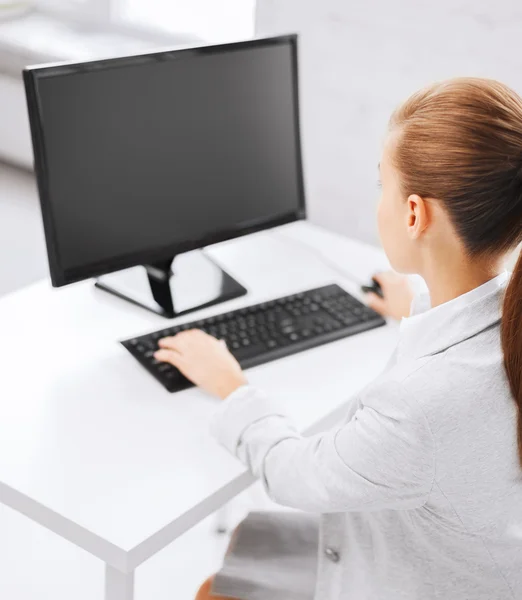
266, 331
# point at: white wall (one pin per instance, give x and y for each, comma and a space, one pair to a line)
23, 258
359, 59
15, 137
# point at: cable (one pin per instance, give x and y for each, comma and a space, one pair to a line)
319, 255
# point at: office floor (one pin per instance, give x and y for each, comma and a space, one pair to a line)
35, 563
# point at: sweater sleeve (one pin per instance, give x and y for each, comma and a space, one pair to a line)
381, 458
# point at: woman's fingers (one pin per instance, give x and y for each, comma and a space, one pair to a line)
169, 343
376, 302
380, 278
169, 356
179, 341
204, 360
397, 295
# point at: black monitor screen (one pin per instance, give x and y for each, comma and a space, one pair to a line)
166, 151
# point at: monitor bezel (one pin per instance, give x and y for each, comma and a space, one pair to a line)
61, 276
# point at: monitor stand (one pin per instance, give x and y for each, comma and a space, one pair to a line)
174, 287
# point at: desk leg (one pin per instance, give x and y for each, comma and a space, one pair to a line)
118, 585
222, 519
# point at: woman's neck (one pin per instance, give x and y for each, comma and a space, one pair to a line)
448, 279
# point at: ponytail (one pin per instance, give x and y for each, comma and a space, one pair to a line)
512, 341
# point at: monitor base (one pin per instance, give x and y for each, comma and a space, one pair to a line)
196, 283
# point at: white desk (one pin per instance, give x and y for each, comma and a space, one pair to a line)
94, 449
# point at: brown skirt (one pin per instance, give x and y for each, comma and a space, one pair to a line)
273, 556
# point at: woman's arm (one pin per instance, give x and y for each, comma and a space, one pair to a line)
382, 458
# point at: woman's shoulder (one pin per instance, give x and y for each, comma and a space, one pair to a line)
465, 381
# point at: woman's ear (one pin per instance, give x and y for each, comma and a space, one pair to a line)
417, 216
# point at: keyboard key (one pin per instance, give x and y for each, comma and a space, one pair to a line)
248, 352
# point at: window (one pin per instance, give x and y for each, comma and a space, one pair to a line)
213, 20
208, 20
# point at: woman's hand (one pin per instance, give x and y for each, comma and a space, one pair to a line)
397, 292
204, 360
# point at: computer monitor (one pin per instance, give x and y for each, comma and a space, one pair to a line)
144, 158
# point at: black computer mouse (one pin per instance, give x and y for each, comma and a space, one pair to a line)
374, 287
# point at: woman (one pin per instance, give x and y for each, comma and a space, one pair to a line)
420, 489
